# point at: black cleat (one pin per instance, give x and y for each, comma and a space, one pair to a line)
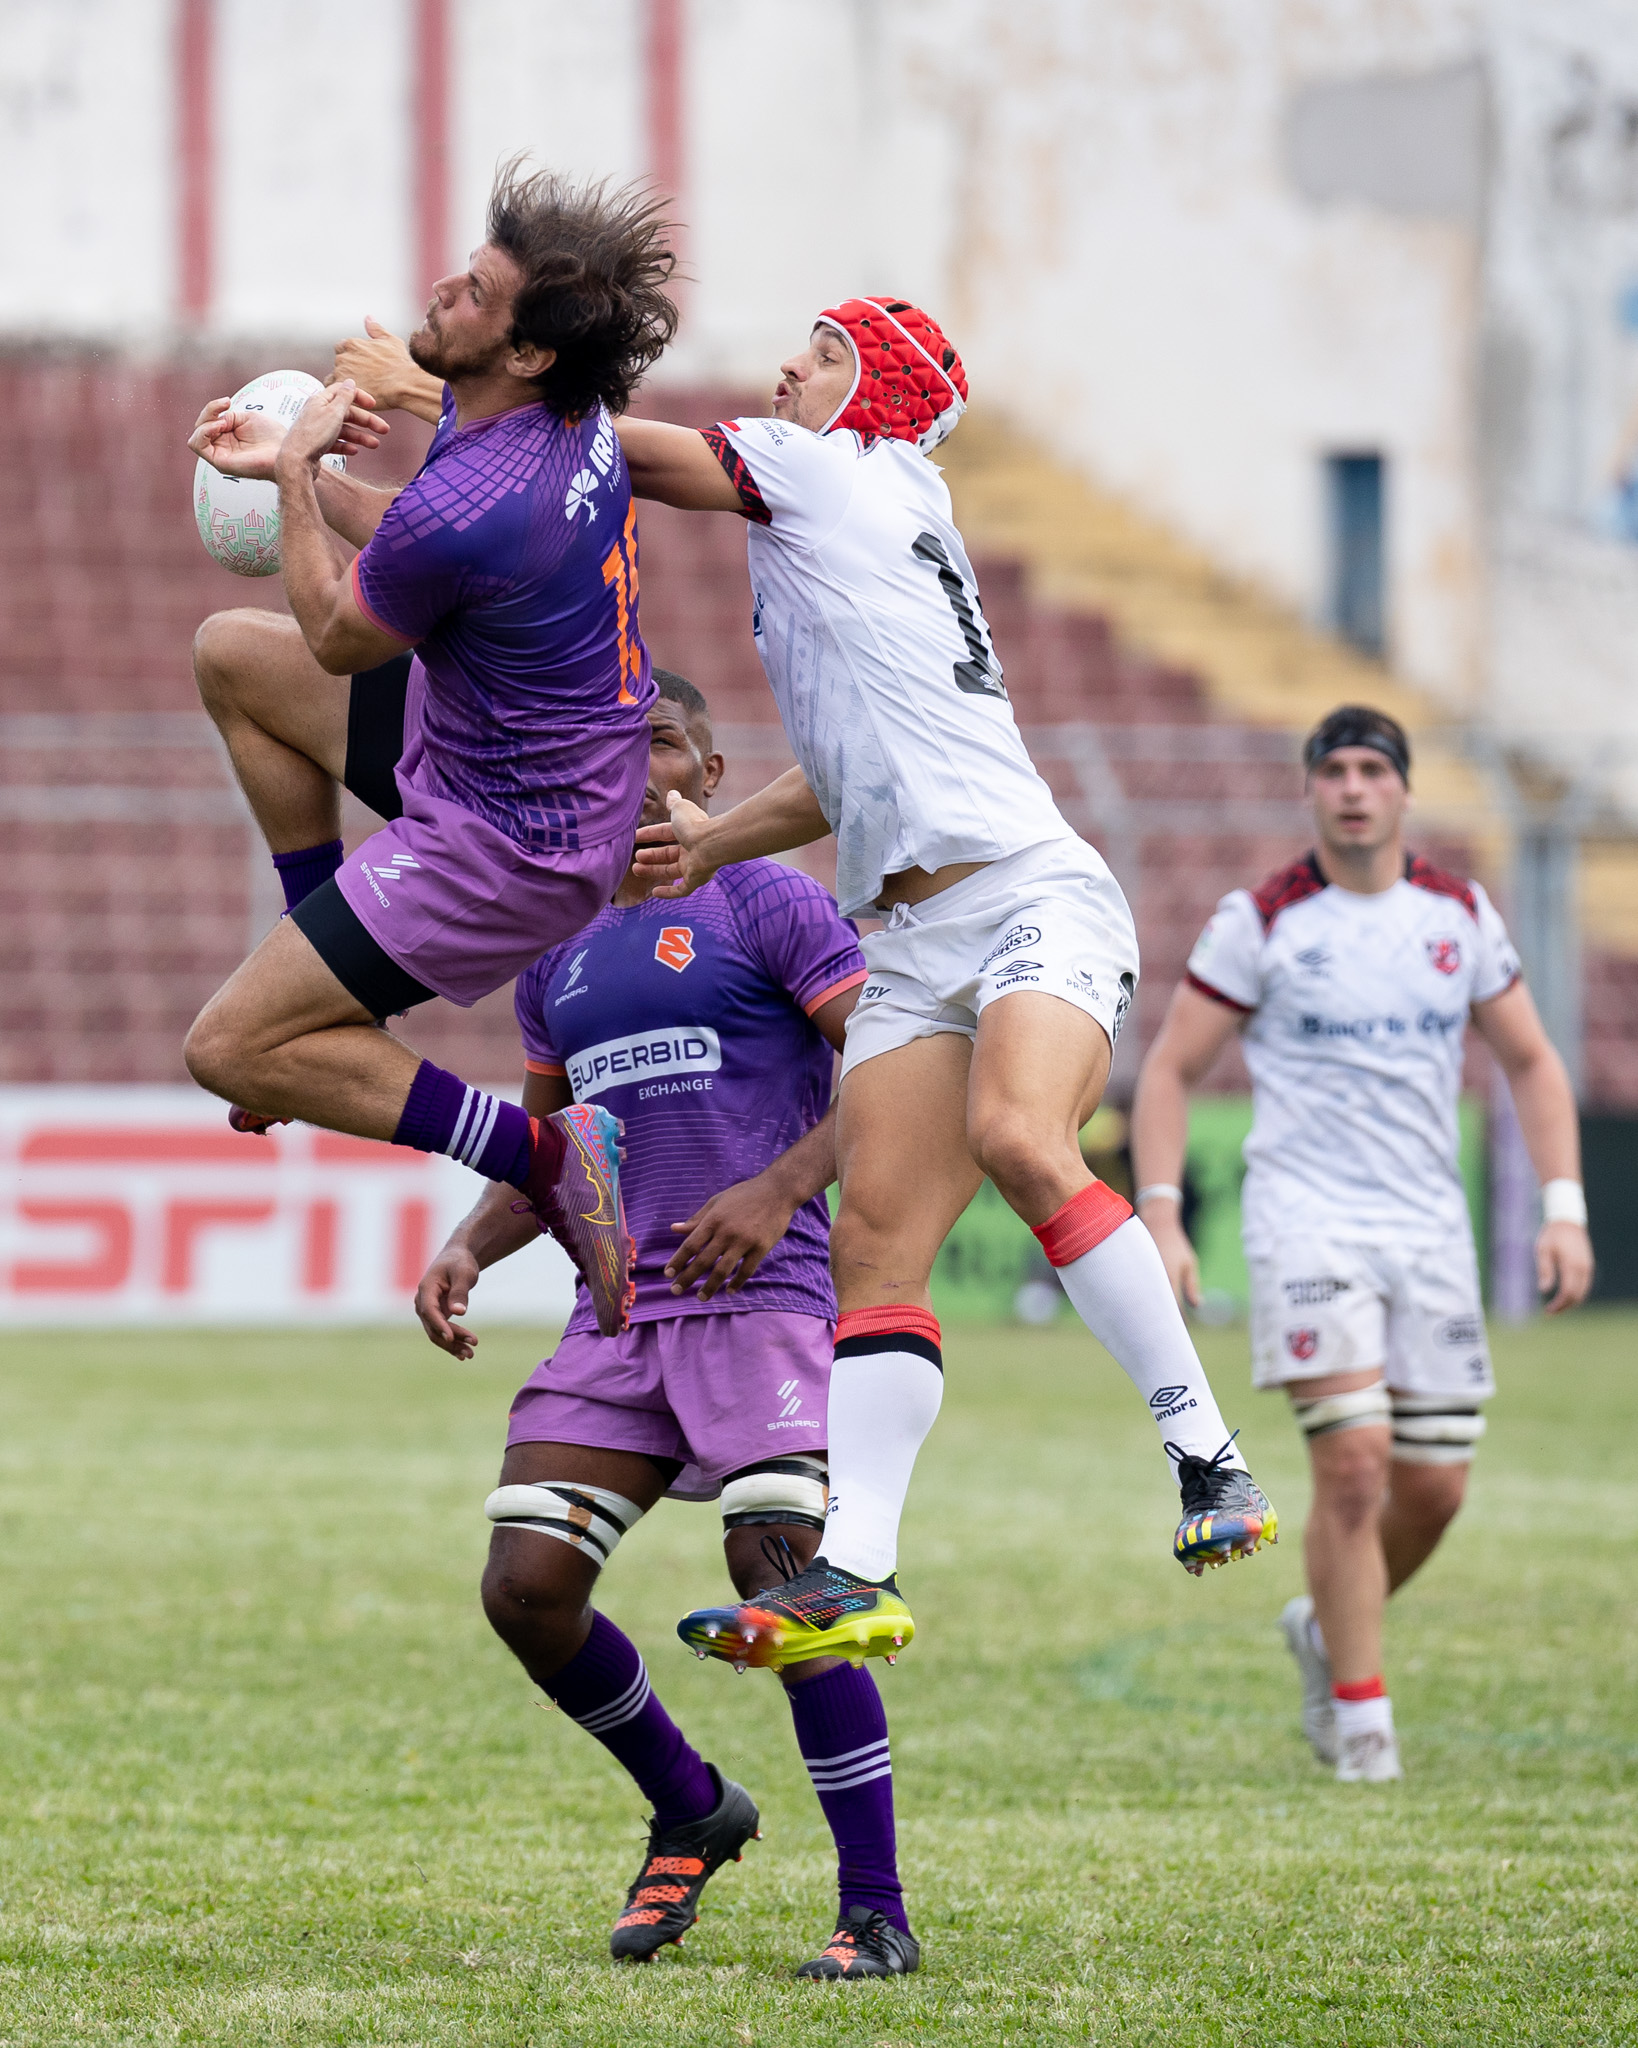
1226, 1514
665, 1901
866, 1944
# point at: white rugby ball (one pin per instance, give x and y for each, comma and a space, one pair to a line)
238, 517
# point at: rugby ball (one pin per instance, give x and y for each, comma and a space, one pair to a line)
238, 517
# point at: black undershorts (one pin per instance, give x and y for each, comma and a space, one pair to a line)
375, 735
375, 739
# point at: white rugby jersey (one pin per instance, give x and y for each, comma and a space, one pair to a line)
866, 615
1355, 1009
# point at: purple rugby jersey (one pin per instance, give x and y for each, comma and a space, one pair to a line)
689, 1019
510, 565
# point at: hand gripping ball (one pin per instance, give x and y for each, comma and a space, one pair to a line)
238, 517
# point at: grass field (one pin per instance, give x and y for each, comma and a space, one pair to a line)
266, 1777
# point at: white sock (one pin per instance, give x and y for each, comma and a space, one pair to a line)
1121, 1293
882, 1404
1364, 1717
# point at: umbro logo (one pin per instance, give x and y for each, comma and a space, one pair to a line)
1166, 1396
674, 948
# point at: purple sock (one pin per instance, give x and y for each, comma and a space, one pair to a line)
841, 1730
605, 1687
444, 1115
307, 869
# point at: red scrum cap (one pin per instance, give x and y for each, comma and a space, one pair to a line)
908, 383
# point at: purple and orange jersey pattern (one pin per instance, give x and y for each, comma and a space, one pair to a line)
510, 565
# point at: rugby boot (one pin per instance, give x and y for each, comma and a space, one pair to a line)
1226, 1514
664, 1902
822, 1612
866, 1944
1369, 1758
252, 1123
1319, 1713
573, 1191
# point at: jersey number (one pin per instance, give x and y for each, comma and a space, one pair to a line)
620, 569
980, 674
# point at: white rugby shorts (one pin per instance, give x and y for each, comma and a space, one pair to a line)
1051, 918
1319, 1307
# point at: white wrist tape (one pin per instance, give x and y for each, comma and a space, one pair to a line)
1564, 1201
1155, 1189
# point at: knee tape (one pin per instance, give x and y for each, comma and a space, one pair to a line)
1342, 1411
589, 1517
778, 1490
1435, 1430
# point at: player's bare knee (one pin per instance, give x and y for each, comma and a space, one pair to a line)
1428, 1496
1351, 1474
221, 648
213, 1054
1016, 1153
531, 1594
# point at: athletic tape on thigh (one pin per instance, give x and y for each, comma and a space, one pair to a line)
1434, 1430
778, 1490
586, 1516
1343, 1411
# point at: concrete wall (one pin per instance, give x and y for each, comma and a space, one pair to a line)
1190, 245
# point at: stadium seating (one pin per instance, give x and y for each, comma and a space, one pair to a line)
131, 882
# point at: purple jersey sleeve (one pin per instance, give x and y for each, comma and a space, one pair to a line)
529, 1004
450, 539
793, 927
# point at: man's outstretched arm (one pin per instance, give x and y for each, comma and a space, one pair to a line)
317, 581
687, 850
677, 466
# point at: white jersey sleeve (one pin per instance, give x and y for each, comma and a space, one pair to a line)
1227, 961
795, 482
1497, 966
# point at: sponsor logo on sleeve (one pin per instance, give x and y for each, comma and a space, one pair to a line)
873, 991
1302, 1344
1445, 954
645, 1056
674, 948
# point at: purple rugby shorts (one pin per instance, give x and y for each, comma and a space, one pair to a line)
462, 908
719, 1392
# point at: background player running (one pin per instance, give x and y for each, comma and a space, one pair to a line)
711, 1032
1351, 978
510, 565
984, 1035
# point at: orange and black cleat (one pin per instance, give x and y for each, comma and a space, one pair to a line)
665, 1900
866, 1944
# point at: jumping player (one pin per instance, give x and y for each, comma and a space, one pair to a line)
1351, 978
983, 1037
509, 566
713, 1038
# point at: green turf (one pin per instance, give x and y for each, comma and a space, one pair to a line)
266, 1777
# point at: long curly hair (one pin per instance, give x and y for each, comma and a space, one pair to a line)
595, 262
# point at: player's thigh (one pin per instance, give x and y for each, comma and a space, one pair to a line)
1040, 1066
1318, 1319
283, 991
904, 1167
255, 665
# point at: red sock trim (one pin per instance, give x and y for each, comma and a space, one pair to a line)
1083, 1222
889, 1322
1361, 1689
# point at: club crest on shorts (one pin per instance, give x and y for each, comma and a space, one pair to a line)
674, 947
1302, 1344
1444, 954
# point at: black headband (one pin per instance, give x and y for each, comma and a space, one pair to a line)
1351, 733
